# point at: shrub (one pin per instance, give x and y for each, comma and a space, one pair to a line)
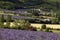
6, 26
1, 18
47, 30
43, 26
41, 29
32, 28
23, 25
1, 24
8, 19
50, 31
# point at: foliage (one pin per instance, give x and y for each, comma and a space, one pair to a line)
15, 4
22, 25
43, 26
55, 20
35, 13
50, 31
47, 30
7, 25
8, 19
1, 21
1, 18
58, 14
6, 5
1, 25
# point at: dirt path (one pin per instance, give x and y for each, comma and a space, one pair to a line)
55, 26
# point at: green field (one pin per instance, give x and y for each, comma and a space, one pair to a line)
56, 31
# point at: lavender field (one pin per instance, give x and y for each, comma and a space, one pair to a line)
12, 34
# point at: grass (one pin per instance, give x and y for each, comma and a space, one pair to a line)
1, 12
56, 31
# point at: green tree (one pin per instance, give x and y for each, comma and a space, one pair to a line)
47, 30
1, 18
55, 20
35, 13
1, 21
8, 19
43, 26
23, 25
7, 25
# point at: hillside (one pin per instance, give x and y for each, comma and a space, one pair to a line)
30, 4
15, 4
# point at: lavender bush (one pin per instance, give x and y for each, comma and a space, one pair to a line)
12, 34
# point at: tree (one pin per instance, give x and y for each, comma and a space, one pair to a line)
1, 21
7, 25
58, 15
1, 18
55, 20
8, 19
47, 30
23, 0
35, 13
23, 25
20, 24
43, 26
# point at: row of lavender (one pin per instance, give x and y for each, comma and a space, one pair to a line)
18, 11
16, 17
12, 34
